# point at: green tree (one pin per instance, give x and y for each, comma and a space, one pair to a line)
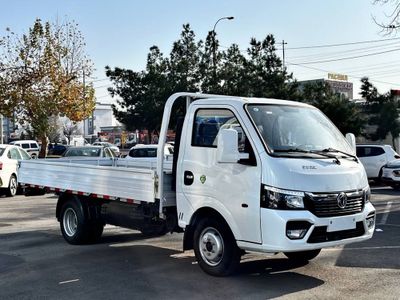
141, 94
41, 76
347, 116
184, 62
234, 76
382, 110
268, 77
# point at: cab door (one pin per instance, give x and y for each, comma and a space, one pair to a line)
233, 189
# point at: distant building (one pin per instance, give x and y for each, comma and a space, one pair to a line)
103, 117
337, 82
395, 94
8, 129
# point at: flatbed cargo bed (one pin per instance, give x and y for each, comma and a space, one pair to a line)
103, 178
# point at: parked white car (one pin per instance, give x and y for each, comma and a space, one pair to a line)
141, 151
391, 174
374, 157
9, 156
30, 146
146, 156
114, 148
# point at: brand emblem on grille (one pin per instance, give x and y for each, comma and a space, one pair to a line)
341, 200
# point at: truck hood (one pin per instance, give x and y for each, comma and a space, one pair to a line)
313, 175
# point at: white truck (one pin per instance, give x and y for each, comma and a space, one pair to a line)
248, 174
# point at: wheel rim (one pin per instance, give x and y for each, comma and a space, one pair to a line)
70, 222
211, 246
13, 186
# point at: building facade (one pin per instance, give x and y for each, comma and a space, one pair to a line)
343, 88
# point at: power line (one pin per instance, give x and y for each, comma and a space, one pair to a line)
97, 80
347, 58
337, 53
352, 76
342, 44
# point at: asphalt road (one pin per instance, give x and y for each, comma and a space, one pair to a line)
36, 263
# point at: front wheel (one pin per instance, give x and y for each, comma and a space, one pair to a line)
215, 247
302, 256
12, 186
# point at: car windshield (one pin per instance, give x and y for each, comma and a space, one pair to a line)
296, 129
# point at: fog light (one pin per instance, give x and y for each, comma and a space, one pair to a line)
370, 221
296, 230
296, 234
396, 173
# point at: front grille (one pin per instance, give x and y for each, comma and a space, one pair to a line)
326, 205
320, 235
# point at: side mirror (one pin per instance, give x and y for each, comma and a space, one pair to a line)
351, 139
227, 147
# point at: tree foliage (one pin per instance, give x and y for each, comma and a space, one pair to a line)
256, 72
41, 76
346, 115
190, 67
382, 110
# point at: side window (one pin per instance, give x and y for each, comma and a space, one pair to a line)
151, 152
207, 124
15, 154
360, 151
24, 154
25, 146
34, 145
375, 151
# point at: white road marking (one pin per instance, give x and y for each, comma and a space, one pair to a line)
378, 229
386, 213
68, 281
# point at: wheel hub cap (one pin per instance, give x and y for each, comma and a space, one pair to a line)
70, 222
211, 246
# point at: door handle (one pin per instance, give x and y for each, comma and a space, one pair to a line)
188, 178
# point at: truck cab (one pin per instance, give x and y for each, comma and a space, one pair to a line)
267, 175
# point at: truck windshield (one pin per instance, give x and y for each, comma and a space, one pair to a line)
296, 130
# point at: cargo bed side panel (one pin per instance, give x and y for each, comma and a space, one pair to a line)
113, 181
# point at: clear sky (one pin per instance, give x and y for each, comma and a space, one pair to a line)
120, 32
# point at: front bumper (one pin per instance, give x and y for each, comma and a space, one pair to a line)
389, 176
322, 233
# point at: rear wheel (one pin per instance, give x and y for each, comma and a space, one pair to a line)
12, 186
76, 228
215, 247
302, 256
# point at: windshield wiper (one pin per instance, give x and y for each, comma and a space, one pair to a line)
321, 152
339, 151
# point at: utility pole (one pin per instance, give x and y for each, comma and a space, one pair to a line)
283, 53
1, 129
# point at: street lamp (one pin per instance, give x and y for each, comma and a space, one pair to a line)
215, 47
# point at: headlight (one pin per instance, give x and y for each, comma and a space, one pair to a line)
367, 194
281, 199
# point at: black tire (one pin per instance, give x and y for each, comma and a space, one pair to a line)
96, 231
302, 256
74, 225
215, 247
12, 187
